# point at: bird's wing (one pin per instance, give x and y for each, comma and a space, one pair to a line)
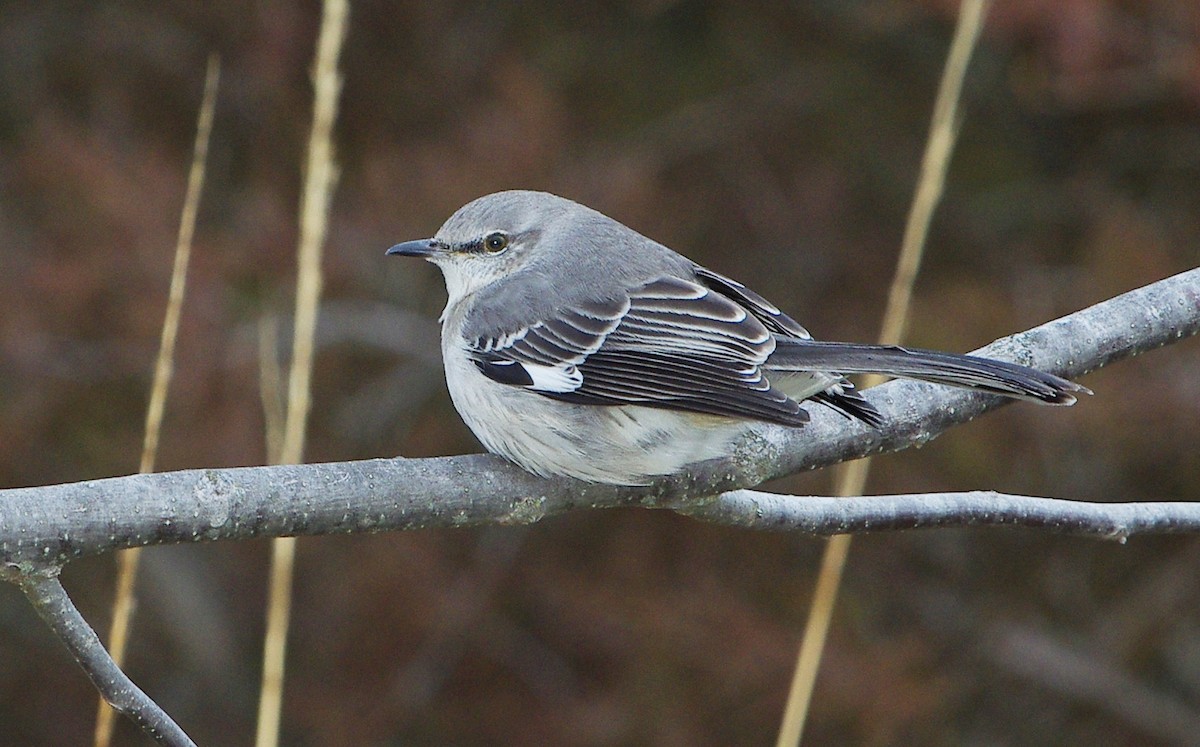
670, 343
838, 392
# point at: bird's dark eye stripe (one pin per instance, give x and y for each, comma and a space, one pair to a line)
494, 243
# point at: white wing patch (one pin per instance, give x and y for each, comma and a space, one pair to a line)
560, 379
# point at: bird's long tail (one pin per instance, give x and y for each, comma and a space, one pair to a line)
985, 374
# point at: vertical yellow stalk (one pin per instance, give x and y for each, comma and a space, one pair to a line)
127, 561
320, 177
852, 477
270, 386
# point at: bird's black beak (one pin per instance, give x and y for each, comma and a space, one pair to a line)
418, 248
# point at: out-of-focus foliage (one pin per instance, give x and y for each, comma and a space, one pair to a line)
775, 142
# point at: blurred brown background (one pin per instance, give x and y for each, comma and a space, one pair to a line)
777, 142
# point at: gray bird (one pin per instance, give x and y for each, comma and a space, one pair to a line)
573, 345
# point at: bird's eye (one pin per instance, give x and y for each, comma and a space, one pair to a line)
494, 243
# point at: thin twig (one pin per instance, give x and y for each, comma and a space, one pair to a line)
822, 515
127, 562
48, 596
320, 175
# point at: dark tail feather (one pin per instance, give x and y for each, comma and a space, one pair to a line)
851, 404
985, 374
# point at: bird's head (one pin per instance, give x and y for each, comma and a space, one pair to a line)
490, 238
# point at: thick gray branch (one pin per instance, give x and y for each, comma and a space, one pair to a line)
46, 526
56, 609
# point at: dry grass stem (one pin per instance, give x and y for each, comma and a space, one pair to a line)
852, 477
124, 601
270, 386
320, 176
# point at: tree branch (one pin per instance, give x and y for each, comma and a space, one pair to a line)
1141, 320
43, 527
50, 599
810, 514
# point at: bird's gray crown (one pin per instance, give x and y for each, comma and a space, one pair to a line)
514, 212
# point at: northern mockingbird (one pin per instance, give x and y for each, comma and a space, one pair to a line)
573, 345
